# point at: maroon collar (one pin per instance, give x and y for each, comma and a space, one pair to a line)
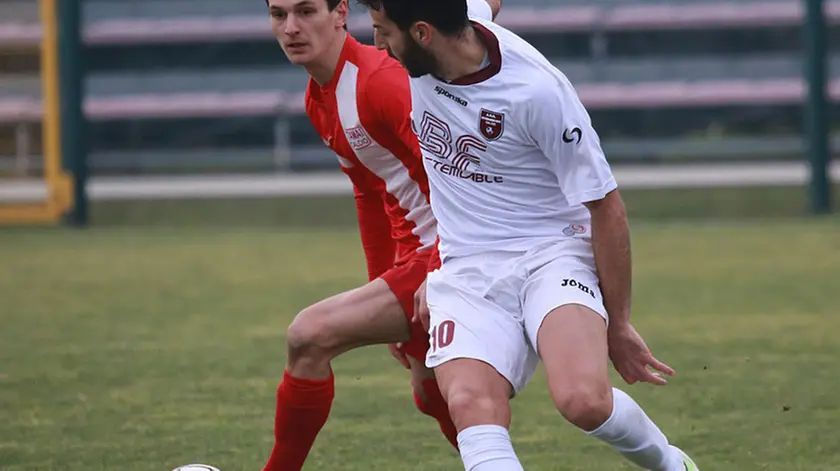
494, 53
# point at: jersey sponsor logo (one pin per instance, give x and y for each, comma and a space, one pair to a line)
491, 124
570, 134
573, 229
358, 138
577, 284
453, 171
435, 138
442, 91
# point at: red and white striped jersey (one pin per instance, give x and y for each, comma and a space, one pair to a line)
363, 115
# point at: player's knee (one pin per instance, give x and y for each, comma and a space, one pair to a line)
310, 337
585, 405
470, 405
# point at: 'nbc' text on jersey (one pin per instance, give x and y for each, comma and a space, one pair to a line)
510, 151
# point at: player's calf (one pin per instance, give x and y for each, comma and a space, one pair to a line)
364, 316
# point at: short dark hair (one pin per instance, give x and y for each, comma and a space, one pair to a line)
447, 16
331, 4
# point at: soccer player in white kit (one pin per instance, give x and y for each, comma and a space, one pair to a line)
533, 237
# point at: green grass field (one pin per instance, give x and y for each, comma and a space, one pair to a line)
146, 348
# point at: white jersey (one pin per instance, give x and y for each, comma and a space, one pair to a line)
510, 151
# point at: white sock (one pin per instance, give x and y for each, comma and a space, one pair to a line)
634, 435
487, 448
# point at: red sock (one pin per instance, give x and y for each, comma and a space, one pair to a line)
435, 406
303, 406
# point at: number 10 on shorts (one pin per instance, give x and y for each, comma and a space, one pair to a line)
442, 335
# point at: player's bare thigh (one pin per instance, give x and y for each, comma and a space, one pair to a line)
478, 348
368, 315
572, 342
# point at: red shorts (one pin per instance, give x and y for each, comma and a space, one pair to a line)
404, 280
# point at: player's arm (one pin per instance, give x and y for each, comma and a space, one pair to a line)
561, 127
375, 229
391, 114
385, 106
611, 244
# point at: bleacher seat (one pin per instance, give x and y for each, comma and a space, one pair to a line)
96, 10
17, 85
291, 79
18, 11
146, 9
294, 79
219, 47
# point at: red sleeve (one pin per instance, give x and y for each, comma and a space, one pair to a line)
375, 228
388, 96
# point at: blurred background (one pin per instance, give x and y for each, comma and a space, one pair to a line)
684, 94
174, 131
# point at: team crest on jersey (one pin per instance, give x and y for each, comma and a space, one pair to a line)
491, 124
358, 138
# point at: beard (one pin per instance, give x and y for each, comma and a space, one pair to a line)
416, 60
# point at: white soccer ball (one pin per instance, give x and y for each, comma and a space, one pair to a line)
195, 467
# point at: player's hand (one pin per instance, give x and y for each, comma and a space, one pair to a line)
632, 358
394, 348
421, 309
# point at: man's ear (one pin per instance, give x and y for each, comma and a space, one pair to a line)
342, 10
421, 32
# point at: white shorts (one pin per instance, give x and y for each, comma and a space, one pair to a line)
490, 306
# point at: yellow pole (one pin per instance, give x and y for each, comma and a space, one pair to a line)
58, 194
58, 199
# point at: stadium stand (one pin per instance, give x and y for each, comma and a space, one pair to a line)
182, 85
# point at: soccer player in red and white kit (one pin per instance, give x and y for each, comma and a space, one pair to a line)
533, 234
358, 100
